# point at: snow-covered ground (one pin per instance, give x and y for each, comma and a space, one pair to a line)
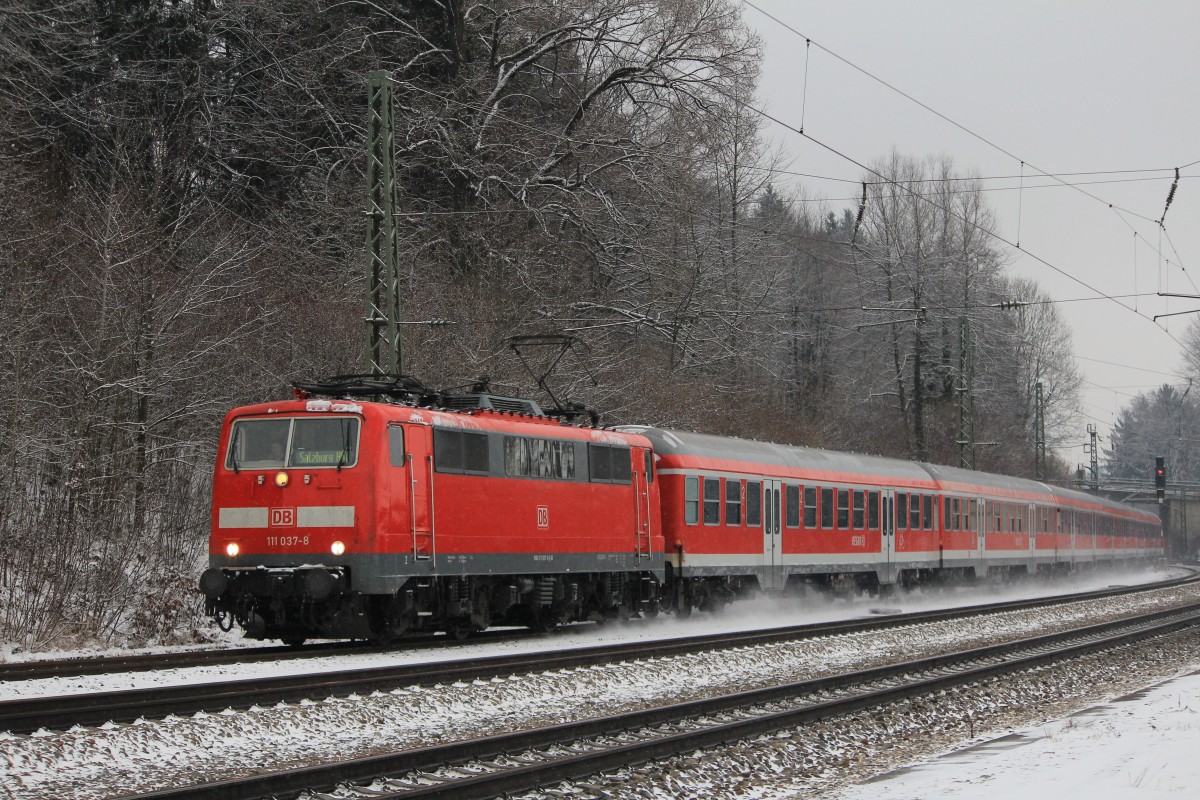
753, 614
117, 759
1144, 745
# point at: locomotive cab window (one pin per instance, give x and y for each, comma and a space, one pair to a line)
309, 442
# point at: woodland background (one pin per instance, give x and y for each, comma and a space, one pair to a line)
182, 189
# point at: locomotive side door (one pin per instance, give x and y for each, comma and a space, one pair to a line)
419, 452
641, 500
772, 536
887, 548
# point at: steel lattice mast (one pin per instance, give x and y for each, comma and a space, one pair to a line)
383, 295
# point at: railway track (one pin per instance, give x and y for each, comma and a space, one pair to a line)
64, 668
31, 714
524, 761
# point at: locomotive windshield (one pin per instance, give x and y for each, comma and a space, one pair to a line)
304, 442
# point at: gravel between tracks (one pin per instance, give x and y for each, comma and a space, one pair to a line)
123, 759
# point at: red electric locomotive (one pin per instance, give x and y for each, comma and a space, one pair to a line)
346, 519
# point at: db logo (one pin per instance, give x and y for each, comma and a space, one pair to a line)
543, 516
283, 518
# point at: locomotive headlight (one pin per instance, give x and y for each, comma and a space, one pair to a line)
281, 479
337, 548
232, 549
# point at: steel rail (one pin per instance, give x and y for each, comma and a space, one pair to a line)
100, 665
26, 715
808, 700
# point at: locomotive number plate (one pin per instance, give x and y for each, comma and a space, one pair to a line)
286, 541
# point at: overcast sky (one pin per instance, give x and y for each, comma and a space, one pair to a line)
1066, 87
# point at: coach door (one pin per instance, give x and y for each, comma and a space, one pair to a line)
772, 535
887, 549
419, 448
979, 520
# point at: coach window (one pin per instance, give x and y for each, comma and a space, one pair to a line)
858, 510
827, 508
691, 500
396, 445
712, 501
873, 511
974, 512
927, 512
791, 496
843, 509
901, 511
914, 512
810, 507
733, 502
753, 504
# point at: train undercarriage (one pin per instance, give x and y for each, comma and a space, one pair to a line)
296, 604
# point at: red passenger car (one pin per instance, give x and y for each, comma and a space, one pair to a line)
740, 515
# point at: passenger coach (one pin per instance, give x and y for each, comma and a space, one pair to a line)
741, 514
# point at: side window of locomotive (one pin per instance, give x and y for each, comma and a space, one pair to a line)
691, 500
791, 496
609, 464
901, 511
810, 507
396, 446
324, 442
843, 509
712, 501
873, 510
733, 502
516, 457
649, 466
460, 451
539, 458
753, 504
258, 444
827, 508
858, 510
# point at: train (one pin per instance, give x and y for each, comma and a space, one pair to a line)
358, 517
